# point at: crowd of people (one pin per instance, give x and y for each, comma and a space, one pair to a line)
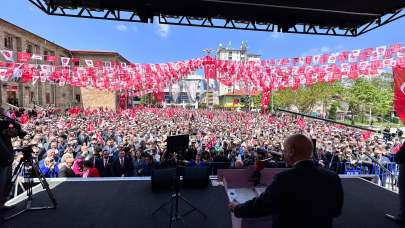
132, 142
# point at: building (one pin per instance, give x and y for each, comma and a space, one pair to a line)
92, 98
235, 98
228, 93
189, 91
17, 39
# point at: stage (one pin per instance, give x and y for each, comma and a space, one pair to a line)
130, 202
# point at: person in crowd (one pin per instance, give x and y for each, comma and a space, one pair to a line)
89, 170
218, 136
122, 165
304, 196
198, 162
104, 164
146, 170
138, 161
49, 168
65, 168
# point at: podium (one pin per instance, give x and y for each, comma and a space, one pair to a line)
239, 188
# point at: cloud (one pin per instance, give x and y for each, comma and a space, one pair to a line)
339, 47
325, 49
276, 35
163, 30
121, 28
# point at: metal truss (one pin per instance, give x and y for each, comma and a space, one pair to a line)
50, 8
255, 26
86, 12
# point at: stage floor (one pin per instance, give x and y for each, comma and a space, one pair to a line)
128, 203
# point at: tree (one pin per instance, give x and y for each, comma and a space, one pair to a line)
332, 111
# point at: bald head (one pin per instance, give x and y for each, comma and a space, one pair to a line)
296, 148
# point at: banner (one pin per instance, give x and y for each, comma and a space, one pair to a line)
399, 92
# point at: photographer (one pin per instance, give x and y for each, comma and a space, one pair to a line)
8, 129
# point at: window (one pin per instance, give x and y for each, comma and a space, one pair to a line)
46, 53
29, 48
32, 97
77, 98
48, 98
37, 49
8, 42
18, 43
230, 58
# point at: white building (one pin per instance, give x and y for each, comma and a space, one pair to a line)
186, 92
235, 55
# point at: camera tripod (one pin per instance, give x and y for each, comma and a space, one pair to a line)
175, 200
29, 167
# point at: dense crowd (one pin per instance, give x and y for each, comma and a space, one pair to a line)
132, 142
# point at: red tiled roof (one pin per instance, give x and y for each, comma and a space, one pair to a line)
89, 51
237, 92
98, 52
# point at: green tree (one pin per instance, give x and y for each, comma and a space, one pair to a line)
332, 111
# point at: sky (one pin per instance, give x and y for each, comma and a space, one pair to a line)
154, 43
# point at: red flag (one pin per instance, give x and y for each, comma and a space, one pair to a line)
210, 68
264, 103
399, 92
51, 58
300, 123
23, 57
24, 119
366, 134
396, 148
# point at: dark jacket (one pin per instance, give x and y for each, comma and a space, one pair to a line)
104, 171
400, 156
126, 169
303, 196
65, 171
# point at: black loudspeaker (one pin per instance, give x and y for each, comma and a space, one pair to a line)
163, 178
177, 143
195, 177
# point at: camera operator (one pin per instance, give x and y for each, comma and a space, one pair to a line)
9, 128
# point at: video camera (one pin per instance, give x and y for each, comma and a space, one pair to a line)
7, 122
26, 151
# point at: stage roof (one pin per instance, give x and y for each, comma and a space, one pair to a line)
332, 17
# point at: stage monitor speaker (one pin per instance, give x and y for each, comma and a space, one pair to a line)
163, 178
177, 143
196, 177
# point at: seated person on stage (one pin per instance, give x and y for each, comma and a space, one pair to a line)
303, 196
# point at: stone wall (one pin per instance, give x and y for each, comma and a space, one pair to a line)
39, 46
94, 98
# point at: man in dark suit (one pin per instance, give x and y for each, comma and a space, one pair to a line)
303, 196
104, 164
122, 166
400, 160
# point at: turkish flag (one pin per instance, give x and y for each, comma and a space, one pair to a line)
51, 58
210, 68
399, 92
8, 55
23, 57
265, 99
